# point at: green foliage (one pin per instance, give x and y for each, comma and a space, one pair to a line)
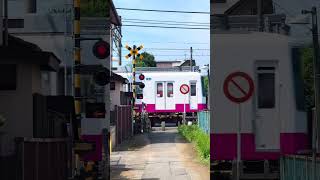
94, 8
147, 61
206, 84
307, 59
201, 140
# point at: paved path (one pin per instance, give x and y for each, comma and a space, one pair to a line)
157, 156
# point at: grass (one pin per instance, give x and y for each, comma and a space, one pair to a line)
200, 139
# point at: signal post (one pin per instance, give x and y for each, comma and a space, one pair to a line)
86, 139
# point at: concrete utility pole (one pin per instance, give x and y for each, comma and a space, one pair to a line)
191, 51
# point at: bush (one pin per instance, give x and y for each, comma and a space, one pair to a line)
200, 139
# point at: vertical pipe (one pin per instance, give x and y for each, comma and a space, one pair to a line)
1, 23
260, 15
134, 79
191, 59
77, 62
6, 34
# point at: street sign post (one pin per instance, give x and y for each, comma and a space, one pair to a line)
238, 87
184, 89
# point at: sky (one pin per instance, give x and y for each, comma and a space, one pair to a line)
164, 39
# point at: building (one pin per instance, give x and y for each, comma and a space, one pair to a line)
169, 64
20, 82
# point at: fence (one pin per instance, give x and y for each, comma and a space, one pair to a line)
298, 168
123, 123
204, 121
39, 159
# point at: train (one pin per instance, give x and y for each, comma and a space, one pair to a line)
162, 99
273, 120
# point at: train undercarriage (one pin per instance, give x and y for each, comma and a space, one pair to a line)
176, 118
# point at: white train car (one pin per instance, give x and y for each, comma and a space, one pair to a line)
273, 120
162, 96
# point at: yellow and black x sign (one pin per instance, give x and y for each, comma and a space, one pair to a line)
134, 51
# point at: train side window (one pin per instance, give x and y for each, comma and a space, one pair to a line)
266, 88
159, 90
170, 89
193, 89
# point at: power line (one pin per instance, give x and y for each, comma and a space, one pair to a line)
175, 24
167, 11
169, 42
154, 20
167, 27
174, 49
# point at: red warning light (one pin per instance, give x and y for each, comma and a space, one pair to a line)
101, 49
141, 77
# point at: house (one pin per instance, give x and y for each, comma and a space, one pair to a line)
169, 64
21, 65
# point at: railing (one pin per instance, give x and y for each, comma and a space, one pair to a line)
299, 168
204, 121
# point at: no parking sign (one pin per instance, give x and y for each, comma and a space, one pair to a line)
238, 87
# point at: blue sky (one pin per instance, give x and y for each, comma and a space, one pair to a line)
167, 38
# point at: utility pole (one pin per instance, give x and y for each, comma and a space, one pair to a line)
191, 51
260, 15
316, 65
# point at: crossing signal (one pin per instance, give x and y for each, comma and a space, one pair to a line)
140, 84
134, 51
101, 49
141, 77
102, 78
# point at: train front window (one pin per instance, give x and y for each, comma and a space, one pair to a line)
193, 89
170, 89
266, 87
159, 90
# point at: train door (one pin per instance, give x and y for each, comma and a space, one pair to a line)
170, 103
267, 97
160, 98
193, 95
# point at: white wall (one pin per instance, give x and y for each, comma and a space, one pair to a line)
17, 106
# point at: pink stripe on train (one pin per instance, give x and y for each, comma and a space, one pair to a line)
224, 146
179, 108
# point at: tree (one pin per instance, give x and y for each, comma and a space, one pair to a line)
147, 61
307, 59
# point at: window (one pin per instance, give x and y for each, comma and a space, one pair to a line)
8, 77
266, 88
193, 89
170, 89
159, 90
112, 86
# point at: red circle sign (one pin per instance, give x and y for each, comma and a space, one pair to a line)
238, 87
184, 89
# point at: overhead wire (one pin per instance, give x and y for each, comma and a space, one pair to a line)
166, 11
167, 27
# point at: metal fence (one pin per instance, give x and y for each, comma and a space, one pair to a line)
204, 121
299, 168
123, 123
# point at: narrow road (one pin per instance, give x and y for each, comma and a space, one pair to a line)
160, 155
